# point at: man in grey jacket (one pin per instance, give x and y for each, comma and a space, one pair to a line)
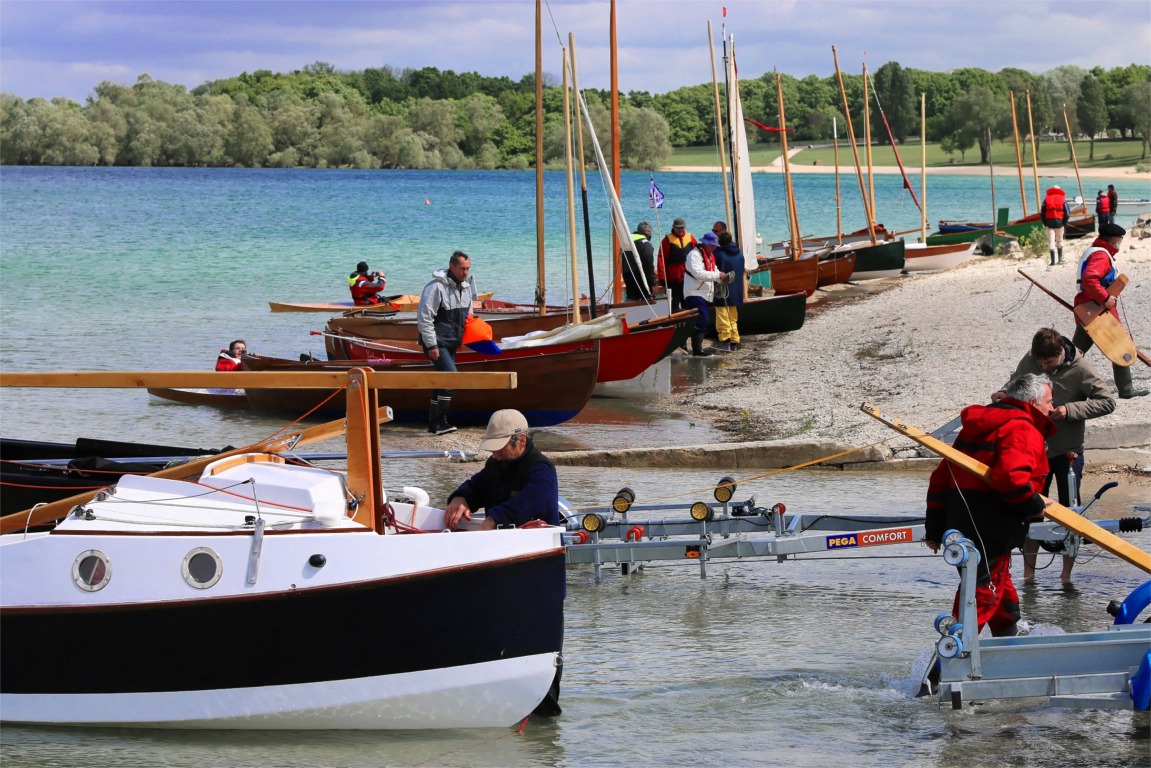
1078, 394
444, 308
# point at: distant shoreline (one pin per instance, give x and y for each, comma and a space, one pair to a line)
913, 171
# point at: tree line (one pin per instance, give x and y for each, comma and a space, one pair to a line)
319, 117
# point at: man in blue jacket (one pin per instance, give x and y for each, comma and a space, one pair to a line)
517, 484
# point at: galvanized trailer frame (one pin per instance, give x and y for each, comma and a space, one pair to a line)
1077, 669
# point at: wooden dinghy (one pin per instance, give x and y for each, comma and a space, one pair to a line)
400, 302
255, 548
836, 268
228, 399
919, 257
789, 275
875, 262
555, 385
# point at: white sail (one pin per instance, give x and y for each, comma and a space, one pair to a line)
745, 231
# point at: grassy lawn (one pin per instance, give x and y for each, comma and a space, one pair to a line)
1111, 153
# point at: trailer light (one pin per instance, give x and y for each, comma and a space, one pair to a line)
725, 490
701, 511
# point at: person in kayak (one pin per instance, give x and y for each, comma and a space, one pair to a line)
366, 285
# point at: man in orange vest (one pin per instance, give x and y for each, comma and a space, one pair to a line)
1055, 214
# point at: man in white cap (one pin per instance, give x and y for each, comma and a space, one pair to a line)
517, 484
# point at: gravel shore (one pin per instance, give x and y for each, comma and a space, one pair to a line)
920, 347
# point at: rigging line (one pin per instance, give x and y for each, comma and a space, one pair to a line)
305, 415
1018, 305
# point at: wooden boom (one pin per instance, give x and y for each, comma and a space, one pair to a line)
1068, 518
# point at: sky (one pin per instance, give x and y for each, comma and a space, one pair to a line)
52, 48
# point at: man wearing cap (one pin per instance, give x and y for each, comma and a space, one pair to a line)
444, 308
518, 484
1097, 272
1055, 214
639, 278
700, 278
673, 251
365, 286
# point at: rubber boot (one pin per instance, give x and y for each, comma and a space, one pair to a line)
1051, 261
697, 349
1060, 254
442, 427
433, 415
1124, 384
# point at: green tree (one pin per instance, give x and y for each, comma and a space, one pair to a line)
895, 92
1137, 103
972, 115
250, 141
643, 138
1091, 109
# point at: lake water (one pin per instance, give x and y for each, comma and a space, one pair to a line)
805, 663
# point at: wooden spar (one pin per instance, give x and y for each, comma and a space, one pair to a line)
854, 148
732, 77
1068, 518
1034, 155
255, 380
923, 165
869, 204
719, 127
1107, 333
541, 284
617, 262
792, 218
576, 314
364, 478
583, 186
1018, 156
994, 211
838, 200
1074, 159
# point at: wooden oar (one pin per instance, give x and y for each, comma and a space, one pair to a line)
1111, 338
1068, 518
46, 513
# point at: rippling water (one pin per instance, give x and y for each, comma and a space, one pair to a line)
806, 663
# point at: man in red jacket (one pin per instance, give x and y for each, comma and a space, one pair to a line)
1008, 436
1097, 271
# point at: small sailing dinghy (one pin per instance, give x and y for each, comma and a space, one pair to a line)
243, 592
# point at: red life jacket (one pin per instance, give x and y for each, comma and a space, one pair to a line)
1103, 204
364, 289
1053, 205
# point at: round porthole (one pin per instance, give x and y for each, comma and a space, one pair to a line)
91, 570
202, 568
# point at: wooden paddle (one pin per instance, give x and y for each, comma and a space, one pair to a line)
1111, 338
1068, 518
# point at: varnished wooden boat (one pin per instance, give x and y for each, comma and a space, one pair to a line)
563, 382
790, 275
918, 257
400, 302
836, 268
228, 399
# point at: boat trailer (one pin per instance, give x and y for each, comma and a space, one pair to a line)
1108, 669
625, 534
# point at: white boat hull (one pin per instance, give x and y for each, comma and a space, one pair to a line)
490, 694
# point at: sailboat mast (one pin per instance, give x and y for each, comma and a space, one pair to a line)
838, 206
568, 178
583, 183
1034, 157
1018, 154
994, 209
719, 127
617, 266
541, 290
923, 165
854, 147
869, 204
1074, 159
792, 218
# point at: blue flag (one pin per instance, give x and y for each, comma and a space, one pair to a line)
654, 196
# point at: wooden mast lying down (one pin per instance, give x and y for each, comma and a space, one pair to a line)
1068, 518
